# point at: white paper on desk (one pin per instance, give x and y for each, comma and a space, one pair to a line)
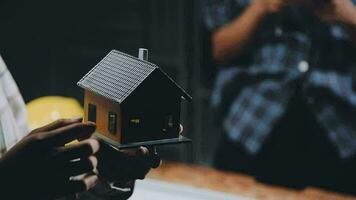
158, 190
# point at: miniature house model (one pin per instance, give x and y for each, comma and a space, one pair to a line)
132, 101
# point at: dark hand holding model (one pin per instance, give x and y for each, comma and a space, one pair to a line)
41, 167
122, 167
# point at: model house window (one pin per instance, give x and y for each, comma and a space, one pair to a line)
112, 122
91, 113
135, 120
168, 122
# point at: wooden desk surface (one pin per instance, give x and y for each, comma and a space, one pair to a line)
242, 185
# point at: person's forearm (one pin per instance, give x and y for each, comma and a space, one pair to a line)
231, 40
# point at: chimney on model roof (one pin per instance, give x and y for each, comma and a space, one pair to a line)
143, 54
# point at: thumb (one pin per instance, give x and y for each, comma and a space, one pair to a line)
68, 133
56, 124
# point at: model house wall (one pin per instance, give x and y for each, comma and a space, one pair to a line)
152, 111
103, 112
151, 119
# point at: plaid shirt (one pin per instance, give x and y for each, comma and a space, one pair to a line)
291, 48
13, 116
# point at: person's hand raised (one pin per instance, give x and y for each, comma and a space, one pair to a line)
272, 6
40, 166
336, 11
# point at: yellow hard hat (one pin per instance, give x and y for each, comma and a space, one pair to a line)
45, 110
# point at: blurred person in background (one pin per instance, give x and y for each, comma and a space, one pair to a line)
285, 91
39, 165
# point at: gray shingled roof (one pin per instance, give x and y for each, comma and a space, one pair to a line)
117, 75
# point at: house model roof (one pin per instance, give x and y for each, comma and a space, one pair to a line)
118, 74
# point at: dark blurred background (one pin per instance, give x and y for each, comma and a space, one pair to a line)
50, 45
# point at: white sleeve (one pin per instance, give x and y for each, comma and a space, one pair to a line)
13, 115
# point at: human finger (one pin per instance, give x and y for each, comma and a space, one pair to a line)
81, 166
81, 149
140, 151
135, 164
124, 184
181, 129
57, 124
149, 156
144, 156
80, 183
69, 133
153, 161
